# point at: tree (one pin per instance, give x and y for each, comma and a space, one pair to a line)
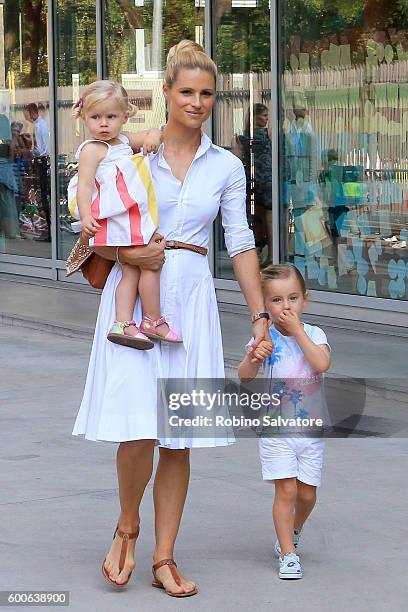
33, 71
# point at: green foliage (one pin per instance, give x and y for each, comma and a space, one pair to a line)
76, 40
243, 40
30, 69
179, 18
314, 19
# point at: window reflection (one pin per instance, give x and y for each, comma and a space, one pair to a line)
138, 38
254, 148
343, 153
76, 68
242, 114
25, 214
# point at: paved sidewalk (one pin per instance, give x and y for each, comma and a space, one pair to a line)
66, 311
59, 505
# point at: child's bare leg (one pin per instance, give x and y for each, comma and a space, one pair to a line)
149, 290
125, 296
283, 512
305, 502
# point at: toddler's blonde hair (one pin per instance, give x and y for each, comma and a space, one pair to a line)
187, 55
100, 91
286, 270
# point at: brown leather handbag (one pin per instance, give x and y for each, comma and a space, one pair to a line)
94, 268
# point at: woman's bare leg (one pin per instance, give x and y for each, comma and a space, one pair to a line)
134, 467
169, 492
149, 290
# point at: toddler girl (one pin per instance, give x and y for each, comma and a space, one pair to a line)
297, 353
113, 196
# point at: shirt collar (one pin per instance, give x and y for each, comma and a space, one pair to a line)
206, 143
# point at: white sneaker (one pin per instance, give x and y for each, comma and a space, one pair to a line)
289, 567
296, 542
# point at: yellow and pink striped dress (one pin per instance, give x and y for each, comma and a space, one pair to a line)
123, 198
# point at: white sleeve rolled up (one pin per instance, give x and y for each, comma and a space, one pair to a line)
238, 236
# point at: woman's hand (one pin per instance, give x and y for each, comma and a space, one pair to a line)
149, 257
260, 330
89, 226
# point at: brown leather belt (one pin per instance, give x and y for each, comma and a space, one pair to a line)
176, 244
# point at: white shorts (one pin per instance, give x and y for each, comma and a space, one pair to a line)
300, 458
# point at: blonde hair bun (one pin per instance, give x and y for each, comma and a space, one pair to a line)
185, 46
187, 55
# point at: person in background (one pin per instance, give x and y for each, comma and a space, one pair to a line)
41, 157
255, 152
8, 183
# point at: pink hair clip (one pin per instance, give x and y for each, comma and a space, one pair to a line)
80, 103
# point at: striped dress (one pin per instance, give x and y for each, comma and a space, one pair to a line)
123, 199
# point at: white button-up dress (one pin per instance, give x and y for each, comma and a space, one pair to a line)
120, 401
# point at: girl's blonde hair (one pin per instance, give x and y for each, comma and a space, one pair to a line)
187, 55
100, 91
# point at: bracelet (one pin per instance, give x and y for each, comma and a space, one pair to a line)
117, 256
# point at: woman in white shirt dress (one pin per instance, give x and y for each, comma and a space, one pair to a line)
193, 179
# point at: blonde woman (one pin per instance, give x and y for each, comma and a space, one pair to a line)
193, 180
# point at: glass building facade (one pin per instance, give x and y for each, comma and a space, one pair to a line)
312, 96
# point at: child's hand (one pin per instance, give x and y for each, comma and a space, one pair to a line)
290, 322
261, 352
90, 226
152, 141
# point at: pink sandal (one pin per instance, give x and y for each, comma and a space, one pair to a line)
148, 327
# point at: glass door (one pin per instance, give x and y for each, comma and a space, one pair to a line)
75, 34
242, 117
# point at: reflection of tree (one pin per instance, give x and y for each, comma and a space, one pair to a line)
243, 39
311, 25
132, 12
179, 18
76, 40
122, 18
35, 36
34, 69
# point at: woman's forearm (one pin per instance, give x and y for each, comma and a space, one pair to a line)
148, 257
246, 269
106, 252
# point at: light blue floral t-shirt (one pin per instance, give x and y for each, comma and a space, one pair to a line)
288, 373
